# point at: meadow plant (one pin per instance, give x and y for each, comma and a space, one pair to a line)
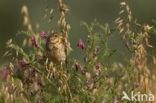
31, 77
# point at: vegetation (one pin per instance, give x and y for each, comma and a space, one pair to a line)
31, 77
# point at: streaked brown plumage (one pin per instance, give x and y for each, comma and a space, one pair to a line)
57, 48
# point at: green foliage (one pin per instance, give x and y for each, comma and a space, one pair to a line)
35, 79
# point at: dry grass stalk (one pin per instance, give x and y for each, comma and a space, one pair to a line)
136, 42
26, 19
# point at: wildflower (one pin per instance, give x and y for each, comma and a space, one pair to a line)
98, 66
23, 63
4, 73
98, 69
34, 42
43, 35
81, 44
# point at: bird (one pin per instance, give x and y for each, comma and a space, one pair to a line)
57, 48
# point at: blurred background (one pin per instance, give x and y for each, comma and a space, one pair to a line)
104, 11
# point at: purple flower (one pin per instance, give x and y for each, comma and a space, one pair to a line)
4, 73
98, 69
23, 63
43, 35
98, 66
81, 44
34, 42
